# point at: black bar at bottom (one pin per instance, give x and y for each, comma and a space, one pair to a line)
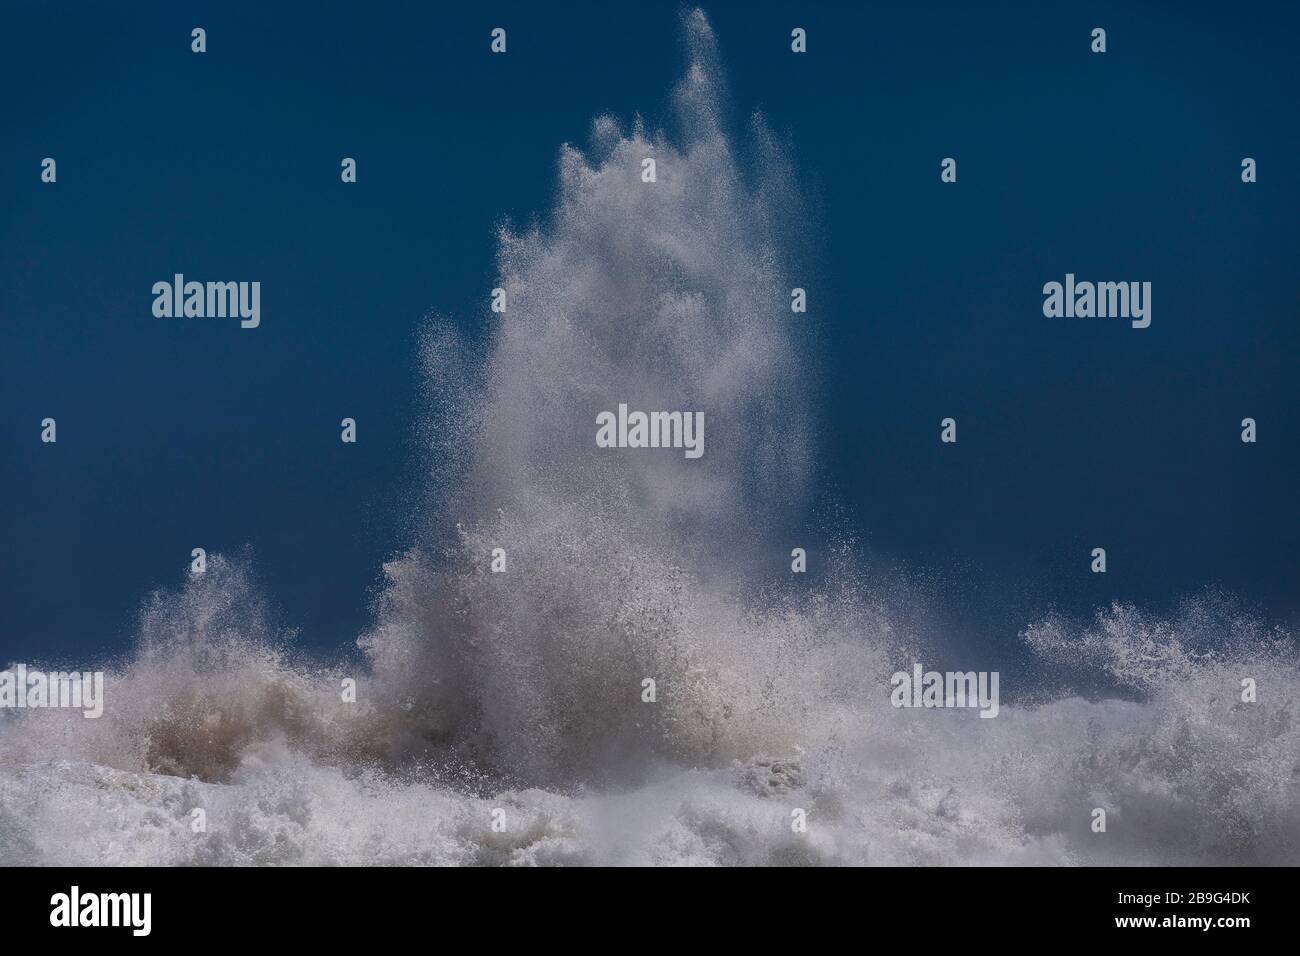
216, 906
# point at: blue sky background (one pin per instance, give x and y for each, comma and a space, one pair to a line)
1073, 433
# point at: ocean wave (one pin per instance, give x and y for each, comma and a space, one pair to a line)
499, 718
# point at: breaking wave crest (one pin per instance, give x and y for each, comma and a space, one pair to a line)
522, 690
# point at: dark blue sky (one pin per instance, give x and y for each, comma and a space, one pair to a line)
1074, 433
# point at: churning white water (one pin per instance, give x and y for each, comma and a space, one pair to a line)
522, 691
